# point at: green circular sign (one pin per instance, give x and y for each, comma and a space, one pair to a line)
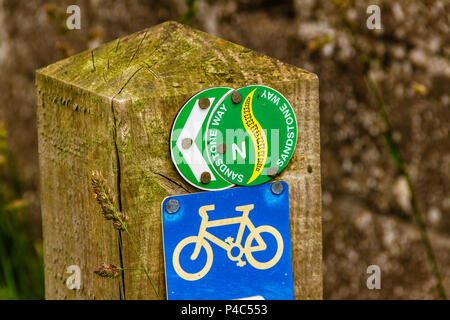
187, 143
251, 135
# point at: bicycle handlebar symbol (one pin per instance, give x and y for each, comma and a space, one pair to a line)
229, 244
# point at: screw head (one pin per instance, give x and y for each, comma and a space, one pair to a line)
236, 97
186, 143
277, 187
221, 148
272, 171
172, 206
204, 103
205, 178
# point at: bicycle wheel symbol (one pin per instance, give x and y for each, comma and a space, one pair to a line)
176, 258
249, 249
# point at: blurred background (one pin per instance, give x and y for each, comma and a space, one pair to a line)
385, 120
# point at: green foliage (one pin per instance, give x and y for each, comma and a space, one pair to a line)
21, 263
190, 12
58, 16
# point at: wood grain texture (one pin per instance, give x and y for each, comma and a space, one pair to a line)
75, 137
133, 87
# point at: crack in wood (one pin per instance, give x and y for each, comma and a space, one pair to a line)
171, 181
129, 79
137, 49
119, 197
93, 63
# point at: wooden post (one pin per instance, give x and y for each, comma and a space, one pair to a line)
111, 109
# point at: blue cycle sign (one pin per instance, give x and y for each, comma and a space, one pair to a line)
228, 244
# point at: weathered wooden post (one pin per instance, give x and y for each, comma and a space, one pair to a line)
111, 109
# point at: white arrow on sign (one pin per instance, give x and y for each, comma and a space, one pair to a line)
192, 127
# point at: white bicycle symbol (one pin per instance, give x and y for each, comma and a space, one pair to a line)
229, 244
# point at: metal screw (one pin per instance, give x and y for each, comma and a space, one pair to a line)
272, 171
204, 103
186, 143
172, 206
277, 187
236, 97
205, 178
221, 148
